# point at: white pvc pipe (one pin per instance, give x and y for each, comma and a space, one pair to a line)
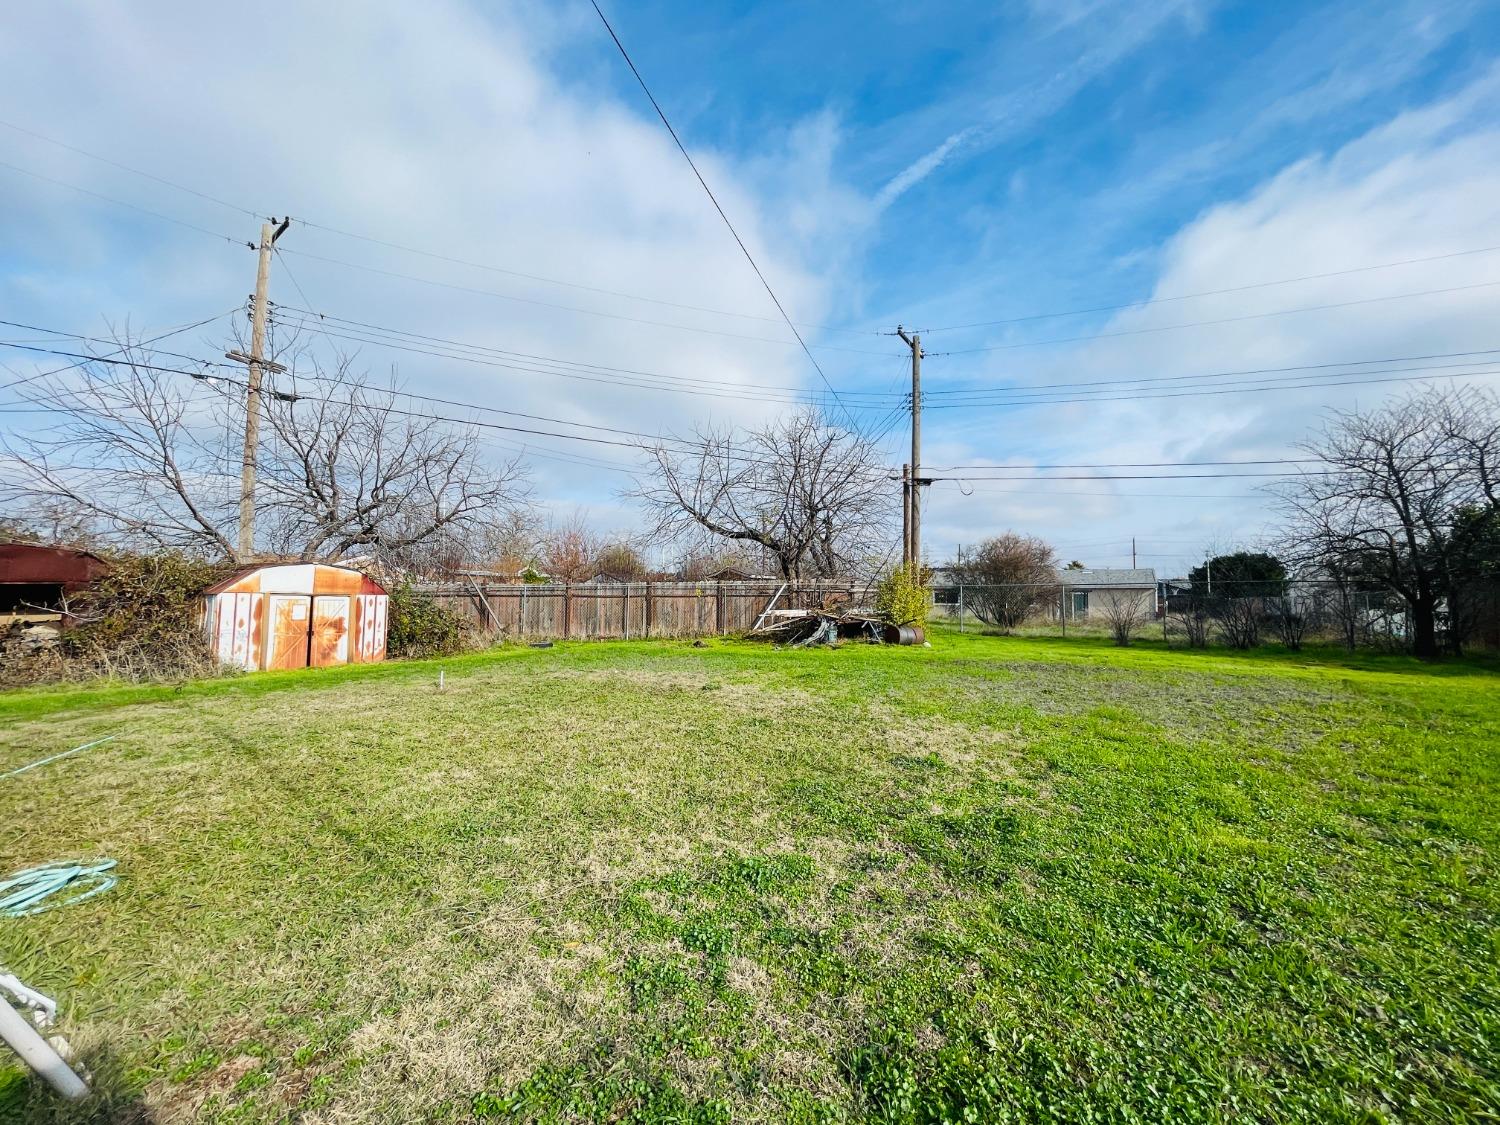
38, 1054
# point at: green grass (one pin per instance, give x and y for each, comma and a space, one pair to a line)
1000, 879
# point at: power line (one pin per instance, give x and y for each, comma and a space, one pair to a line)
324, 378
1159, 476
573, 284
1132, 464
128, 168
604, 377
1218, 496
322, 398
121, 203
637, 445
1029, 387
575, 308
1222, 320
318, 321
121, 348
744, 249
1216, 292
413, 249
1330, 381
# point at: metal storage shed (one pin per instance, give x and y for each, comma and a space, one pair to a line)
295, 616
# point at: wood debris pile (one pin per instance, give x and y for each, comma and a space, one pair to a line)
800, 627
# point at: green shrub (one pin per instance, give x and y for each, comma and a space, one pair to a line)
418, 626
901, 599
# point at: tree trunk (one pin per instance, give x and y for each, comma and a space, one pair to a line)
1424, 644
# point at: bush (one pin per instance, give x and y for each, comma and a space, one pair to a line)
1009, 578
418, 626
901, 599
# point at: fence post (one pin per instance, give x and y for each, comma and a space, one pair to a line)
1062, 609
649, 608
719, 608
567, 610
625, 609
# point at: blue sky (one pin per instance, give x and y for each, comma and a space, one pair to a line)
934, 165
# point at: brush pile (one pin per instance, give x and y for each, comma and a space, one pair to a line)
797, 628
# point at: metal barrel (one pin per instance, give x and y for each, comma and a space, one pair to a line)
904, 635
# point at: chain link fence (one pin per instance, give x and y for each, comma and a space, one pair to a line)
1180, 614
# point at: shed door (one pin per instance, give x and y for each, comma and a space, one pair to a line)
289, 630
330, 631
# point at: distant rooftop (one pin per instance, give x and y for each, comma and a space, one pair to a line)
1106, 576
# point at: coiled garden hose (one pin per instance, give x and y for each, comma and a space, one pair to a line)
27, 892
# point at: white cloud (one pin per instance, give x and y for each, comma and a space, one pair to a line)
1426, 183
1080, 41
920, 168
439, 126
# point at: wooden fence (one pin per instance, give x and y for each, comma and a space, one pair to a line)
622, 610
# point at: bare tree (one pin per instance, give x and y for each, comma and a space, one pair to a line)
569, 551
151, 457
1008, 578
1290, 619
814, 497
346, 471
621, 559
1240, 620
1397, 479
1124, 611
1196, 619
136, 449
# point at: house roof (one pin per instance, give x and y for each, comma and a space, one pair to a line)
45, 565
1105, 576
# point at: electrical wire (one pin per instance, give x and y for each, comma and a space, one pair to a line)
1132, 464
118, 350
202, 376
604, 377
1028, 387
576, 308
744, 249
416, 250
1210, 323
121, 203
1157, 476
1215, 292
319, 321
573, 284
1330, 381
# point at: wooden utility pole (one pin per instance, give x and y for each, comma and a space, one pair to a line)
256, 361
1132, 552
914, 540
906, 516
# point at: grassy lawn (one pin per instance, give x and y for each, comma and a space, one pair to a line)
1000, 879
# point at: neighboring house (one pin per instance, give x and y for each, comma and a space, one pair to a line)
943, 582
1092, 591
1084, 593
